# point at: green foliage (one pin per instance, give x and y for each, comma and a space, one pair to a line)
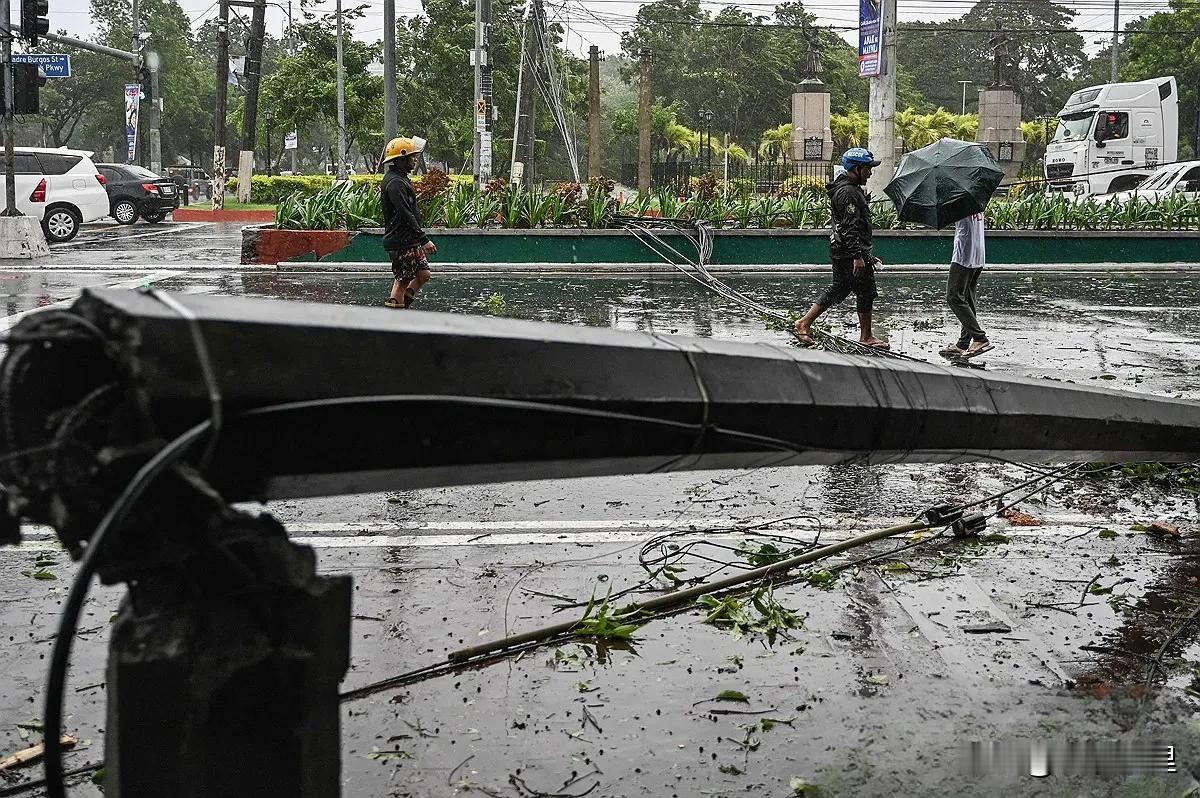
849, 129
743, 66
762, 616
920, 130
337, 207
1153, 54
776, 143
1058, 212
493, 305
800, 185
302, 91
606, 623
939, 54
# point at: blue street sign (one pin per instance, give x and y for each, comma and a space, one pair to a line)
50, 65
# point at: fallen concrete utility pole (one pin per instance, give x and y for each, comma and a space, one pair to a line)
594, 401
265, 399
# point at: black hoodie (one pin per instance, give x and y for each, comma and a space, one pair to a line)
401, 217
851, 237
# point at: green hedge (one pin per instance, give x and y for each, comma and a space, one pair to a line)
272, 190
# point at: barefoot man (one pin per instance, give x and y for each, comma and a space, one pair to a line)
849, 248
406, 243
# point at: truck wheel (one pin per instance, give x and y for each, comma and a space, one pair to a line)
124, 212
61, 223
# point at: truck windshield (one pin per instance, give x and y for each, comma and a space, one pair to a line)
1075, 127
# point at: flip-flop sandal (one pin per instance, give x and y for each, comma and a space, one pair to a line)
985, 348
392, 303
409, 297
879, 345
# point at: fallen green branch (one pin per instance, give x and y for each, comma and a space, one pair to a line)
672, 600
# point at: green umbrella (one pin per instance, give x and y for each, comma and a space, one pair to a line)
944, 182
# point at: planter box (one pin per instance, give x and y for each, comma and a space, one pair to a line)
749, 250
268, 245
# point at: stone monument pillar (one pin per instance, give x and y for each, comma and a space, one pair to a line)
1000, 114
812, 140
1000, 128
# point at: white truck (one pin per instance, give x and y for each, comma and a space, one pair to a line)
1111, 137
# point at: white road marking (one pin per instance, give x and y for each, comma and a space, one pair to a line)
591, 532
179, 228
7, 322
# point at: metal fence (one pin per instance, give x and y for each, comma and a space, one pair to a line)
766, 176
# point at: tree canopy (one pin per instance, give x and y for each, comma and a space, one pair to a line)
1042, 61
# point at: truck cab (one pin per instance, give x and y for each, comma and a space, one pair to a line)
1111, 137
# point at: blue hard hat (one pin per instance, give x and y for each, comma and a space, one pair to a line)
858, 156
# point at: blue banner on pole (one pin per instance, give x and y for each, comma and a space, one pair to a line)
133, 97
51, 65
870, 38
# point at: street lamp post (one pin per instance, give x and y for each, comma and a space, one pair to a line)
706, 119
269, 117
965, 83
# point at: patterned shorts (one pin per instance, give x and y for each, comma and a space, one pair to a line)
406, 264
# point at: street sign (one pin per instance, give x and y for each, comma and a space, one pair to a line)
291, 141
51, 65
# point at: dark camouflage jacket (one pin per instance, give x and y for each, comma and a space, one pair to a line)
851, 237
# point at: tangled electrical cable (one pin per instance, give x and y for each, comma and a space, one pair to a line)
700, 236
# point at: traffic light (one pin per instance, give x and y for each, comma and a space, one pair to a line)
144, 79
34, 21
26, 80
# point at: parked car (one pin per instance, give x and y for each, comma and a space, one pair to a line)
61, 187
1177, 179
135, 192
193, 183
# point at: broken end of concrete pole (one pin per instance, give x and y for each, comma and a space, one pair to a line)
21, 238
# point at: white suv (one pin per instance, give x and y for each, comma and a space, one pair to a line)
60, 187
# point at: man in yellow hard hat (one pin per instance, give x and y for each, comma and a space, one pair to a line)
406, 243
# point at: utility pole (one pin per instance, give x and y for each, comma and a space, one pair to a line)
1116, 46
10, 158
154, 113
218, 190
258, 24
644, 100
389, 70
883, 105
481, 60
135, 27
341, 101
593, 112
525, 131
965, 83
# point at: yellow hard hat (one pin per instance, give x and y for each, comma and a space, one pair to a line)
400, 147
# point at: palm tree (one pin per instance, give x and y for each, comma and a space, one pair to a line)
735, 151
849, 129
680, 139
776, 143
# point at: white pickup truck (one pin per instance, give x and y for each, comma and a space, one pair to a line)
1177, 179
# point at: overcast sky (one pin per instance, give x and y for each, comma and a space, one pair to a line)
600, 22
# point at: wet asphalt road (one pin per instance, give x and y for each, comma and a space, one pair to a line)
873, 695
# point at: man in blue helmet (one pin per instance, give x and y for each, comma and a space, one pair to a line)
849, 248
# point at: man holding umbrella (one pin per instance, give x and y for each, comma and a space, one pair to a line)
849, 249
965, 267
950, 182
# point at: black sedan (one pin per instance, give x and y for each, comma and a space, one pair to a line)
136, 192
